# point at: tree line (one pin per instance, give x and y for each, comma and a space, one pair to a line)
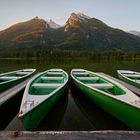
70, 54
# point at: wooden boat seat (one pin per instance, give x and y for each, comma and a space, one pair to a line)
45, 85
80, 73
132, 75
52, 78
138, 81
88, 78
9, 77
53, 72
78, 70
102, 85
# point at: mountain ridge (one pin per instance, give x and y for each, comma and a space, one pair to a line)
79, 32
137, 33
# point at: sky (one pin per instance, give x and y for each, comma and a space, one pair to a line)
122, 14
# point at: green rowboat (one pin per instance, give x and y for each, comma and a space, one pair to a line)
10, 79
110, 96
131, 77
40, 95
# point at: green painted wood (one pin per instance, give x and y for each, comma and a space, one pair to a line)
4, 85
32, 118
126, 113
129, 81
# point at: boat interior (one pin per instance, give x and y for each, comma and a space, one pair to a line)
14, 75
95, 81
47, 82
133, 76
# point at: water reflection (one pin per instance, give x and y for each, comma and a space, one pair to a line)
108, 67
9, 109
50, 122
97, 117
73, 112
73, 119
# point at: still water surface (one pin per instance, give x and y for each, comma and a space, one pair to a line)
73, 111
108, 67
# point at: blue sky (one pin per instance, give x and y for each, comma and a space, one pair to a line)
123, 14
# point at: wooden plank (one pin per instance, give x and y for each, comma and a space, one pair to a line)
44, 85
132, 75
54, 72
80, 73
78, 70
70, 135
9, 77
88, 78
138, 81
105, 85
52, 78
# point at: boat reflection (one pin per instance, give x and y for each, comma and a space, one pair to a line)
9, 110
98, 117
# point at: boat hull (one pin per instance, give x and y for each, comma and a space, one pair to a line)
129, 81
7, 85
32, 119
124, 112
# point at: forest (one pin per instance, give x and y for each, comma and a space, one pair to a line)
70, 54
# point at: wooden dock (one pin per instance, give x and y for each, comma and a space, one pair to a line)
8, 94
130, 87
69, 135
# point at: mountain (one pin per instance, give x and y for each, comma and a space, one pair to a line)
75, 19
22, 33
135, 33
27, 33
79, 33
91, 33
52, 24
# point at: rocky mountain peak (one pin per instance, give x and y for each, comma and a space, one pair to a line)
52, 24
45, 23
83, 33
75, 19
78, 17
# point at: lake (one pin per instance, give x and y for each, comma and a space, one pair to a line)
73, 111
108, 67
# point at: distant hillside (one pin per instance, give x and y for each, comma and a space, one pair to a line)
79, 33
